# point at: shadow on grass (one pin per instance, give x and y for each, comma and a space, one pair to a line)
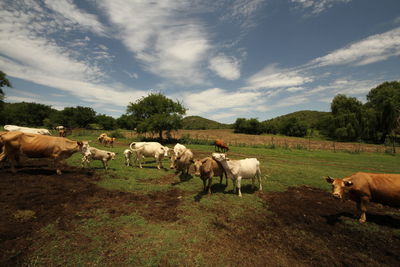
215, 188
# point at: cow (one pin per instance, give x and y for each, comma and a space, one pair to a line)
237, 170
150, 149
182, 162
128, 154
39, 146
14, 128
98, 154
101, 138
363, 187
62, 133
60, 127
108, 141
220, 146
176, 152
206, 169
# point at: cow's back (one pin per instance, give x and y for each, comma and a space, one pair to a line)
382, 188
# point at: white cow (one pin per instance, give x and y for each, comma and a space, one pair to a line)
14, 128
97, 154
179, 149
150, 149
182, 162
240, 169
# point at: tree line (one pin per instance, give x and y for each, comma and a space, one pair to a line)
349, 120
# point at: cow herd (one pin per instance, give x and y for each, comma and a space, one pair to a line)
38, 143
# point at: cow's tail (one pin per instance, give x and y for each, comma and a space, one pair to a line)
130, 146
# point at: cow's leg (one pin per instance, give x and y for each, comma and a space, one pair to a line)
105, 164
362, 208
209, 184
204, 184
259, 180
57, 166
238, 181
234, 185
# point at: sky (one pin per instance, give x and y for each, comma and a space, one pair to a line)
221, 59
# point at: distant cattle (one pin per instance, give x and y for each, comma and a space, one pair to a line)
14, 128
16, 144
101, 138
109, 141
220, 146
62, 133
363, 187
98, 154
149, 149
240, 169
206, 169
60, 127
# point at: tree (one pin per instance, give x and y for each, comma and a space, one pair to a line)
73, 117
27, 114
106, 122
385, 100
4, 82
156, 113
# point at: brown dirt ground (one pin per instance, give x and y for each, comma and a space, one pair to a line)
302, 226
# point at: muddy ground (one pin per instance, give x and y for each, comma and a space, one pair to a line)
302, 226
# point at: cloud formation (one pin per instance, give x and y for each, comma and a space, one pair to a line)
225, 67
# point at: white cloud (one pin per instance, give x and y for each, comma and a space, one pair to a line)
68, 10
242, 12
226, 67
215, 99
370, 50
295, 89
165, 42
317, 6
272, 77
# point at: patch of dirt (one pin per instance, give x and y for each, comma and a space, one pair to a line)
302, 226
39, 196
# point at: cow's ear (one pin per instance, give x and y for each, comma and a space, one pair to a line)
80, 143
329, 179
191, 161
348, 183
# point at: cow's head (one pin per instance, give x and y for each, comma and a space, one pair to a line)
111, 155
339, 187
165, 150
219, 156
84, 147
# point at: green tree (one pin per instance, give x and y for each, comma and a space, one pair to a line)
77, 117
106, 122
4, 82
156, 113
385, 100
126, 122
27, 114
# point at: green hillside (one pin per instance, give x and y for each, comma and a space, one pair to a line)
199, 123
309, 117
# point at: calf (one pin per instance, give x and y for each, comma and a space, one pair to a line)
239, 169
108, 141
128, 154
206, 169
97, 154
363, 187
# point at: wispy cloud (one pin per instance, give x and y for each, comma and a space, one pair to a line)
242, 12
316, 6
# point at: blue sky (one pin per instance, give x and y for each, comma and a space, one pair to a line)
221, 59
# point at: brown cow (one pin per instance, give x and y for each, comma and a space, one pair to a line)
207, 168
220, 146
363, 187
108, 141
38, 146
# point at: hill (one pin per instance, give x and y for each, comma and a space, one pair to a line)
200, 123
310, 117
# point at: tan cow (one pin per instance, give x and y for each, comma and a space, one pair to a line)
206, 169
363, 187
108, 141
38, 146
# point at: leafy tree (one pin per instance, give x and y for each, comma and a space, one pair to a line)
4, 82
294, 127
77, 117
27, 114
156, 113
385, 100
126, 122
106, 122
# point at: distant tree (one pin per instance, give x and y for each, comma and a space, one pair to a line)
126, 122
77, 117
26, 114
156, 113
4, 82
385, 100
106, 122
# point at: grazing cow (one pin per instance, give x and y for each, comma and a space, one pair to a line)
62, 133
207, 168
176, 152
101, 138
14, 128
108, 141
220, 146
150, 149
363, 187
182, 162
240, 169
38, 146
60, 127
128, 154
97, 154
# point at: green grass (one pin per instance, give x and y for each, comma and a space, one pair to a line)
136, 241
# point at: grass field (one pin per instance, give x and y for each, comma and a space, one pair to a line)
150, 217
